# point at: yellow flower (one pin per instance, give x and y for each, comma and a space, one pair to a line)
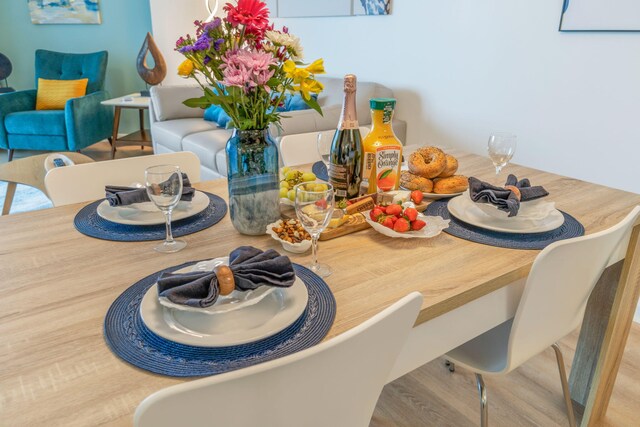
185, 69
309, 86
316, 67
297, 74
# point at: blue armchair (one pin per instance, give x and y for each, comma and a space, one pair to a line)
83, 122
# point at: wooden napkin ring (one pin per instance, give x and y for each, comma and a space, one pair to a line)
226, 282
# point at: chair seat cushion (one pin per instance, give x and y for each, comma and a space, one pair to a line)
171, 133
45, 122
207, 145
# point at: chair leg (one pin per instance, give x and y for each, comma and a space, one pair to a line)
484, 405
565, 385
9, 155
449, 364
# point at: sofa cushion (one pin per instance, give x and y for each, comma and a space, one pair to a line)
206, 145
45, 122
167, 102
221, 162
171, 133
216, 114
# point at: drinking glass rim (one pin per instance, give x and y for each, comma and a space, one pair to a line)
150, 170
503, 135
297, 187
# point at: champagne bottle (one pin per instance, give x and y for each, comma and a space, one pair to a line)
345, 167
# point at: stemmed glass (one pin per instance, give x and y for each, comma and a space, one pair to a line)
164, 187
501, 147
314, 204
324, 141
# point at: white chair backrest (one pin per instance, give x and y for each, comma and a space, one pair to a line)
558, 288
335, 383
302, 148
80, 183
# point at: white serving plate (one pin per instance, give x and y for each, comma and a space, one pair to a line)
148, 214
467, 210
251, 319
296, 248
435, 196
435, 225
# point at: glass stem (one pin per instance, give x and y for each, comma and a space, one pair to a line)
314, 249
167, 216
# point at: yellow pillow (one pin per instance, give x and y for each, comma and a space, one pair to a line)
53, 94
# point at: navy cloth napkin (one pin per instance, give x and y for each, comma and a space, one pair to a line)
123, 196
251, 269
504, 199
526, 190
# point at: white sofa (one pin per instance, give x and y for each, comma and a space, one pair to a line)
176, 127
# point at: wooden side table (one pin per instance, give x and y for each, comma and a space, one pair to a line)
30, 171
142, 136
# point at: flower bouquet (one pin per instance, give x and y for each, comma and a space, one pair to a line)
248, 68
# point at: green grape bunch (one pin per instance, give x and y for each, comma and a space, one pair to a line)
291, 178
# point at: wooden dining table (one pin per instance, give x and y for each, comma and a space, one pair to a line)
57, 284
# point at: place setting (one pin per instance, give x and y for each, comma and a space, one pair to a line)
516, 215
221, 314
166, 205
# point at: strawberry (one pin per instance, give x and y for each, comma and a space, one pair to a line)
322, 203
375, 214
417, 196
387, 222
382, 208
394, 210
393, 218
411, 214
401, 225
418, 224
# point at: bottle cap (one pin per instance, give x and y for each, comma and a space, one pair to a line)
382, 103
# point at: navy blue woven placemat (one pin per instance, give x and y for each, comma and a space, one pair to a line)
88, 222
320, 170
570, 228
130, 339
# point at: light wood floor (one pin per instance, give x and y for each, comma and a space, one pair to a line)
98, 152
528, 396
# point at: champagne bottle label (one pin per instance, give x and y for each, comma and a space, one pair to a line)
338, 178
387, 162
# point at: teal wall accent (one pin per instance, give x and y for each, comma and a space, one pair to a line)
125, 23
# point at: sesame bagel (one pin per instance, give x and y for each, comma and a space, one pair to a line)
450, 185
451, 168
412, 182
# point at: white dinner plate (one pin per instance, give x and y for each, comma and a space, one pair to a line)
271, 314
435, 196
466, 210
148, 214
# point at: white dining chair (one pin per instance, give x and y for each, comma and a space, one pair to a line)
80, 183
552, 306
302, 148
335, 383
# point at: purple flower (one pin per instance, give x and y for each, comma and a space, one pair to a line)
212, 25
217, 44
206, 60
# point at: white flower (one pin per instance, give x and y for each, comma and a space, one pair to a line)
289, 41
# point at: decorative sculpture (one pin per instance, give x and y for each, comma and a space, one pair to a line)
5, 71
152, 76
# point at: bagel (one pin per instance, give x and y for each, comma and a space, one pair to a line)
450, 185
428, 162
451, 168
415, 182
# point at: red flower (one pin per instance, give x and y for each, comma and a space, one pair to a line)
253, 14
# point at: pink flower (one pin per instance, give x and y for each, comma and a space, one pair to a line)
247, 69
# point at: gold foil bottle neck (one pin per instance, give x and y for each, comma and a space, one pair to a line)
350, 83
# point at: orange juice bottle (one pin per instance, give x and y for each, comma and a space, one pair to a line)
382, 150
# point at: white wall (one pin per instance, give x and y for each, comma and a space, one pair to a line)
462, 68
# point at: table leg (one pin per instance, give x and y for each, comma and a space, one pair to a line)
8, 199
604, 335
142, 133
116, 125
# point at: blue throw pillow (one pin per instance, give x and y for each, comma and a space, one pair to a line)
295, 102
216, 114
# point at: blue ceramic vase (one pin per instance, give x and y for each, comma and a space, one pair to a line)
253, 174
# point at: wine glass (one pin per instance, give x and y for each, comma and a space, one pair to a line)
164, 187
314, 204
501, 147
324, 141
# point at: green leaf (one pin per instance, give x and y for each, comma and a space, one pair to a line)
313, 104
201, 102
386, 173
